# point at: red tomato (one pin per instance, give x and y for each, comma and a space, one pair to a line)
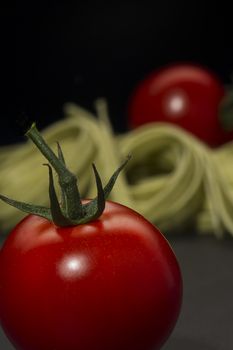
184, 94
113, 283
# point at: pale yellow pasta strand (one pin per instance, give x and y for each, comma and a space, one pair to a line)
172, 179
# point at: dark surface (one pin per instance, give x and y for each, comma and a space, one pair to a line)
206, 320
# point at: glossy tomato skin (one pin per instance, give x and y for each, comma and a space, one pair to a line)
184, 94
113, 284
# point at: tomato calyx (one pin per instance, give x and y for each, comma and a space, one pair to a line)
70, 211
226, 110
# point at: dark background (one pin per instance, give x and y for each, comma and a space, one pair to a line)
83, 50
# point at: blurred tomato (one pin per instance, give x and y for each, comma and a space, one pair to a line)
184, 94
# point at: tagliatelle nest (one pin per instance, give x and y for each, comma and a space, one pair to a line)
172, 179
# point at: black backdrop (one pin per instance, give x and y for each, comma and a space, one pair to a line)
86, 49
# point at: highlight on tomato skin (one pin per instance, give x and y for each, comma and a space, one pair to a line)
185, 94
113, 283
86, 274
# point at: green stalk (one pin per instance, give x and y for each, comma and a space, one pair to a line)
67, 180
71, 211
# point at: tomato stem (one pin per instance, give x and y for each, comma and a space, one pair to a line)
71, 211
67, 180
226, 110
